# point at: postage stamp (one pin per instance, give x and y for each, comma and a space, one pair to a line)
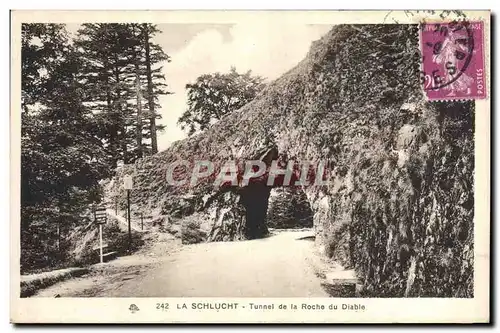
453, 60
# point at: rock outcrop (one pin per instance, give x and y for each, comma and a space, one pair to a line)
399, 209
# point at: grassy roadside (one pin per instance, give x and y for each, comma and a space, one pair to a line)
30, 284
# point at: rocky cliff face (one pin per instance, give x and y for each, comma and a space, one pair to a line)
399, 208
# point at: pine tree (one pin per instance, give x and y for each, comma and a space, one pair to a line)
82, 114
132, 82
61, 157
105, 51
154, 55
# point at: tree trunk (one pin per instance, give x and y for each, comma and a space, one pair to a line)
139, 110
59, 236
151, 100
113, 135
120, 123
139, 104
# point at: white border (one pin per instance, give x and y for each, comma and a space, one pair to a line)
185, 5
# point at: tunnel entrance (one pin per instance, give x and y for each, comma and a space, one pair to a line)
274, 207
255, 199
288, 207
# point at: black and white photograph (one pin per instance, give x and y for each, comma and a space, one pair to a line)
278, 159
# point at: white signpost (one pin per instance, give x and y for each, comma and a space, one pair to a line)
100, 218
100, 244
127, 184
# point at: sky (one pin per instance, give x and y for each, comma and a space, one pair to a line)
269, 49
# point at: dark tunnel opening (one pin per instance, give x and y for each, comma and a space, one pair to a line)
290, 207
255, 199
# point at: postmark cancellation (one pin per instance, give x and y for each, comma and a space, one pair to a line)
453, 60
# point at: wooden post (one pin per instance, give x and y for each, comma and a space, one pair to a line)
59, 235
128, 184
100, 242
129, 226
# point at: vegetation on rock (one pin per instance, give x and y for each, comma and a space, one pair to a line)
400, 206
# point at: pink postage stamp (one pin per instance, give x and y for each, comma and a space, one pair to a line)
453, 60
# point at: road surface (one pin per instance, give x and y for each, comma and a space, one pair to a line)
277, 266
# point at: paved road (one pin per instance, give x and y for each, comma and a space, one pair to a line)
278, 266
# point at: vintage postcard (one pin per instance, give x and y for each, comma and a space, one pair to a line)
250, 167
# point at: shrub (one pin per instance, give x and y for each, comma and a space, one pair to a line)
289, 208
191, 232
